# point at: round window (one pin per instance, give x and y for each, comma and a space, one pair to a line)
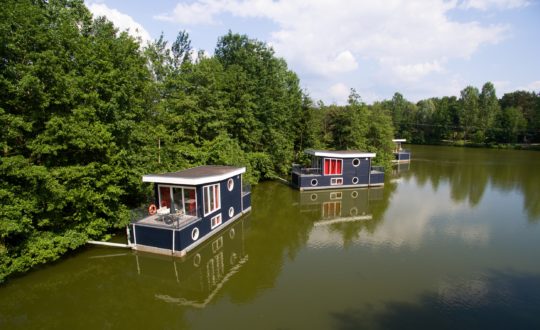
230, 184
313, 197
355, 180
354, 211
314, 182
232, 233
354, 194
356, 162
197, 260
195, 234
231, 211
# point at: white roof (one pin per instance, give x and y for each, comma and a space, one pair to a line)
196, 175
340, 153
399, 140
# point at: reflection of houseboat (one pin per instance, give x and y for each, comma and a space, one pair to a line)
196, 279
401, 155
337, 169
190, 206
344, 205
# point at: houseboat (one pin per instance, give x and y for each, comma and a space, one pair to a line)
400, 155
189, 207
337, 169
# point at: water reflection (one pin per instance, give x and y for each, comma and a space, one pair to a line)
339, 215
497, 300
470, 172
199, 277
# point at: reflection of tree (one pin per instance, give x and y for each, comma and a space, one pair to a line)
468, 171
509, 301
277, 230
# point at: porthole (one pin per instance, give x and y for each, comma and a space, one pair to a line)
195, 234
197, 260
230, 184
232, 233
355, 180
313, 197
314, 182
354, 211
354, 194
231, 212
356, 162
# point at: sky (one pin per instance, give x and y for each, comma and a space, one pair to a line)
419, 48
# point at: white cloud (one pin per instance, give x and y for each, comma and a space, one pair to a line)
121, 21
533, 86
409, 39
339, 93
498, 4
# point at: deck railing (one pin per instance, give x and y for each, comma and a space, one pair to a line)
297, 168
377, 168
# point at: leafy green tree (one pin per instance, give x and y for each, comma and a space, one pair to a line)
489, 111
469, 112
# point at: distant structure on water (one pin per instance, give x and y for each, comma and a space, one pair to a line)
400, 155
337, 169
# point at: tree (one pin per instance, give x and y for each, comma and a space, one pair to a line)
488, 112
469, 112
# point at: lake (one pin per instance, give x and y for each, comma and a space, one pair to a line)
451, 241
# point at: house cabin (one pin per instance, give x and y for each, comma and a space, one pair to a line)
189, 207
400, 155
337, 169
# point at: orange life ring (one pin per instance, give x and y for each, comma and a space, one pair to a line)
152, 209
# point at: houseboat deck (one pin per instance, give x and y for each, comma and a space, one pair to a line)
171, 221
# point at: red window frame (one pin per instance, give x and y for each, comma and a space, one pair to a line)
333, 166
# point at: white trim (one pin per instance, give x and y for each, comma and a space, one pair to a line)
195, 233
399, 140
358, 159
330, 169
333, 181
191, 181
339, 154
206, 200
214, 225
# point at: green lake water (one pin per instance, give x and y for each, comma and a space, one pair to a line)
452, 241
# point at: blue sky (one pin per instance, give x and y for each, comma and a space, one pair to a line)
420, 48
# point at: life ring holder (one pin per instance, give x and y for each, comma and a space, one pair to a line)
152, 209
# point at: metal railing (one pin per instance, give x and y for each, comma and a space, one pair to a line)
377, 168
297, 168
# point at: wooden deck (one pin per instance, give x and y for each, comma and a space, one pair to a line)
172, 221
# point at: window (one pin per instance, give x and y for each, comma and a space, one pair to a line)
314, 182
195, 234
178, 199
336, 181
231, 212
356, 162
212, 200
215, 221
336, 195
230, 184
333, 166
355, 180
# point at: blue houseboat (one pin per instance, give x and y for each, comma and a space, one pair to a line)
337, 169
189, 207
400, 155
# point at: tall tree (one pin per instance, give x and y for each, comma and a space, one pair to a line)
469, 112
